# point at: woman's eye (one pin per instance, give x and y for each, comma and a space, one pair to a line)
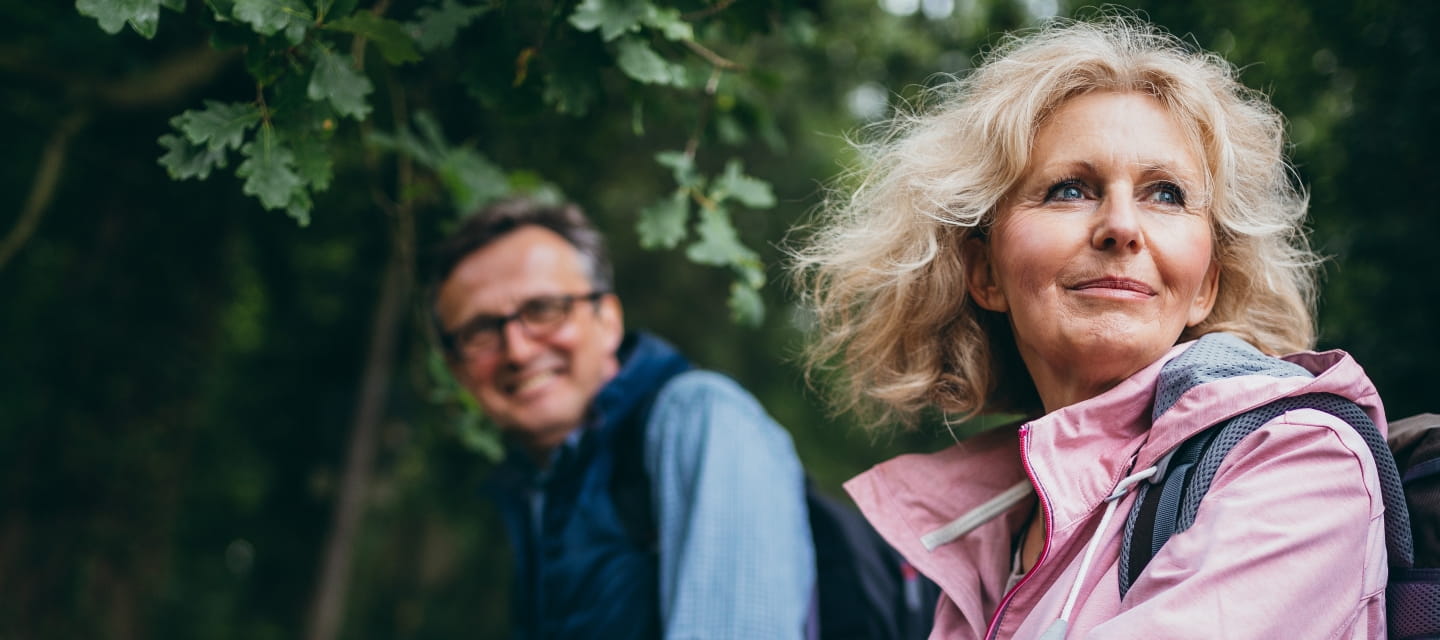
1068, 190
1166, 193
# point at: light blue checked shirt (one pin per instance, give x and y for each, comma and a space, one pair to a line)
736, 557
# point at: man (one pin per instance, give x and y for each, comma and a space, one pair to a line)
643, 498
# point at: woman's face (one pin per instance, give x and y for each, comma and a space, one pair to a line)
1101, 254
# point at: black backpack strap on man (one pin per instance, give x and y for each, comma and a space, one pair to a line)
1168, 506
866, 590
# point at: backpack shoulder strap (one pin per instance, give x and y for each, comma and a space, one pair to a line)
1169, 505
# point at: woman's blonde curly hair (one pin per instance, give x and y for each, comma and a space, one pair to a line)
881, 263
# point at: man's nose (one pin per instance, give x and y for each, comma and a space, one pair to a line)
518, 345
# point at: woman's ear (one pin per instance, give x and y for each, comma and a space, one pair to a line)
1205, 299
980, 276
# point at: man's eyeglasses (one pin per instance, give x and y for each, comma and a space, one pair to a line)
539, 317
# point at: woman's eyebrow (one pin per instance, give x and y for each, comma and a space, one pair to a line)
1165, 169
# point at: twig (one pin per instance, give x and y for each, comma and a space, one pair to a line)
712, 57
42, 190
707, 11
711, 86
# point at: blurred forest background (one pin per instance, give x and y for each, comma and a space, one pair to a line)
218, 423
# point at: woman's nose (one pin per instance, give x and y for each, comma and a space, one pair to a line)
1117, 224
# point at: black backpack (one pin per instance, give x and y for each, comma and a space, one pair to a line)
1409, 466
867, 591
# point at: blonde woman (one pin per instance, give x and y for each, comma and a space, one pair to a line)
1094, 213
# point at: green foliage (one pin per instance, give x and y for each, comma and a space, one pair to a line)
662, 225
269, 17
336, 81
436, 28
184, 159
142, 15
470, 179
751, 192
218, 126
471, 429
613, 18
642, 64
294, 155
269, 173
393, 40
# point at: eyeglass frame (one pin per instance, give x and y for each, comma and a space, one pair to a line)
449, 340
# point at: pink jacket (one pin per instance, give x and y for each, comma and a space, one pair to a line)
1288, 543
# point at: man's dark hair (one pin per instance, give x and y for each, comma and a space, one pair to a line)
500, 218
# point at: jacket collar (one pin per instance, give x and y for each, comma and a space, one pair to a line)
1076, 455
646, 364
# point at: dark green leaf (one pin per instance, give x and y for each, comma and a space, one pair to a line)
340, 8
569, 93
746, 306
173, 5
273, 16
218, 125
612, 17
185, 160
142, 15
668, 22
642, 64
662, 225
313, 162
478, 436
750, 271
437, 27
405, 143
269, 171
718, 244
223, 10
682, 167
752, 192
335, 80
430, 130
300, 206
388, 35
472, 180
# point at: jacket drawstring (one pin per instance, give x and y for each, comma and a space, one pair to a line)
1057, 629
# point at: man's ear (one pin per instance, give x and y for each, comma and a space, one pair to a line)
980, 277
612, 321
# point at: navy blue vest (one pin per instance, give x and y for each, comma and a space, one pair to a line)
585, 574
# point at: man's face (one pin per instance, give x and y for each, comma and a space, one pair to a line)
536, 385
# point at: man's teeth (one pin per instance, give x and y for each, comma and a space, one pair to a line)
533, 381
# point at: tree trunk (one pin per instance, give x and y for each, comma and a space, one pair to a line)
327, 606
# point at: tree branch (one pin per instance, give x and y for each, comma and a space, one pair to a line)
327, 607
707, 11
42, 190
712, 57
163, 83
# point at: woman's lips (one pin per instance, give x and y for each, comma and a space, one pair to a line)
1122, 284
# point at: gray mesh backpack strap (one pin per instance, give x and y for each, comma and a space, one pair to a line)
1412, 596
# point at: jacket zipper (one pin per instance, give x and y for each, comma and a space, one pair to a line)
994, 626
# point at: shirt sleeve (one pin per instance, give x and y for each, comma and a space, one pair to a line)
736, 557
1288, 543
